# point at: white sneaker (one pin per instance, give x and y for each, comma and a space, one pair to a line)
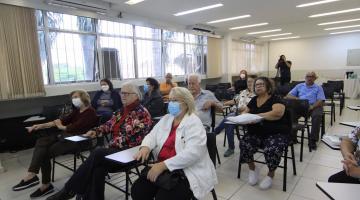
266, 183
253, 176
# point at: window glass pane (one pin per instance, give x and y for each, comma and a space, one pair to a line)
73, 57
173, 36
124, 55
70, 22
148, 58
41, 38
39, 18
205, 40
194, 59
190, 38
145, 32
115, 28
174, 58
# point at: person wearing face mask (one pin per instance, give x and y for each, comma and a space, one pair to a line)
153, 101
167, 86
79, 121
177, 142
106, 101
241, 84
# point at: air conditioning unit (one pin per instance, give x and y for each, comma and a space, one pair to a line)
95, 6
204, 30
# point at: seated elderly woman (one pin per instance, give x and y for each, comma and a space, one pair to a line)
271, 134
79, 121
239, 104
128, 128
178, 142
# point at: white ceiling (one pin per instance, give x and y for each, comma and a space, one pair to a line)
278, 13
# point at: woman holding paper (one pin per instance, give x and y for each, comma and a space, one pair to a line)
271, 133
128, 127
178, 143
82, 119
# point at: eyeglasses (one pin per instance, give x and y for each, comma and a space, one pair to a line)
126, 93
311, 76
259, 84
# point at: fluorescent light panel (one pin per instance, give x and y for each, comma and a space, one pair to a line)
338, 22
198, 9
341, 27
267, 31
281, 34
249, 26
335, 12
132, 2
286, 38
352, 31
229, 19
315, 3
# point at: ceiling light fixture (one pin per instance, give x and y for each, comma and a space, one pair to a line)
198, 9
341, 27
315, 3
132, 2
338, 22
267, 31
352, 31
229, 19
335, 12
249, 26
281, 34
286, 38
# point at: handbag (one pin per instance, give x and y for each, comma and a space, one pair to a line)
167, 179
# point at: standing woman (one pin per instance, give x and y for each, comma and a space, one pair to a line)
283, 66
106, 101
153, 100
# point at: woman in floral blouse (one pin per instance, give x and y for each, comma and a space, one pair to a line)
350, 149
128, 128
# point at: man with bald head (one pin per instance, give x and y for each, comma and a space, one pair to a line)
316, 97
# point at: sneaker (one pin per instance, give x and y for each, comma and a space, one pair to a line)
228, 152
266, 183
253, 176
40, 193
26, 184
61, 195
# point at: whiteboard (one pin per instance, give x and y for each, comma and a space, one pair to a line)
353, 57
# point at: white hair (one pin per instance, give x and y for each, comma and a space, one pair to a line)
134, 88
198, 77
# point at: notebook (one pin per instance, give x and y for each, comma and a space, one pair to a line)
246, 118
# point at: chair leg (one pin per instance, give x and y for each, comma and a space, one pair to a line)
214, 194
224, 139
239, 169
53, 170
323, 126
218, 156
293, 159
74, 163
285, 168
308, 135
302, 145
127, 185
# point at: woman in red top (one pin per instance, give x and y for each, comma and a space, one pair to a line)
82, 119
128, 128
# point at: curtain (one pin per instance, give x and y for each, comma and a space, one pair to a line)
214, 58
20, 65
247, 56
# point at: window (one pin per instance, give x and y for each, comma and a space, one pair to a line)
43, 56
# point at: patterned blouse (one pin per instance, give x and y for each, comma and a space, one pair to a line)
127, 126
243, 99
355, 138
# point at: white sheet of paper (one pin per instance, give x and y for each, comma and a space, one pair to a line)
124, 156
34, 119
246, 118
354, 107
76, 138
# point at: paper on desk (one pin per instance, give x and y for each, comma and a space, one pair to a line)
246, 118
34, 118
354, 107
124, 156
333, 140
76, 138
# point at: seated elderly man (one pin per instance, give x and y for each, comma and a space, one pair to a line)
350, 149
315, 95
204, 99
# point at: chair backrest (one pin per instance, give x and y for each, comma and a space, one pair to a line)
328, 90
338, 85
224, 85
211, 145
298, 108
283, 90
52, 112
223, 94
213, 117
211, 88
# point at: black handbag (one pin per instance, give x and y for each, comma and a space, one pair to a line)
166, 180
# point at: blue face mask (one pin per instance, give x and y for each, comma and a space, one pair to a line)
174, 108
146, 88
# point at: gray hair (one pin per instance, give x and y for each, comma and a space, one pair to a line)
198, 77
134, 88
185, 96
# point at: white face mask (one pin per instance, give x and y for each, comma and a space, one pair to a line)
77, 102
242, 76
105, 88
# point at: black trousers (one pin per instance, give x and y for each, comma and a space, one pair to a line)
47, 148
316, 119
342, 177
89, 179
143, 189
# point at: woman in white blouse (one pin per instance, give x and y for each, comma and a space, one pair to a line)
177, 142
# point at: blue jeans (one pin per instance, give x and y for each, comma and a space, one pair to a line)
229, 130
